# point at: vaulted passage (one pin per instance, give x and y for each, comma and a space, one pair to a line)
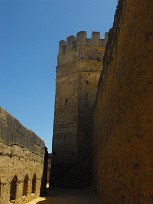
25, 186
13, 188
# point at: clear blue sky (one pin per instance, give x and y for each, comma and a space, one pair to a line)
29, 34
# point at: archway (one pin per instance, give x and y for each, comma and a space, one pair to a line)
13, 188
34, 183
25, 185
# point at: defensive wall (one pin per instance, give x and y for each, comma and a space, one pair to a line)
21, 162
123, 118
79, 65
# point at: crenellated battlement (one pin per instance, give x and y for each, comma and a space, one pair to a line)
82, 40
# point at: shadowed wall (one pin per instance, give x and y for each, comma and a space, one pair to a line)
123, 119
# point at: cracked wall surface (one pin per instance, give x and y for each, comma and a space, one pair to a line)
123, 119
21, 161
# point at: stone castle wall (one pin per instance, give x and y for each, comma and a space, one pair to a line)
123, 119
78, 71
21, 161
82, 40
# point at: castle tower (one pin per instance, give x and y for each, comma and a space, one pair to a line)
78, 70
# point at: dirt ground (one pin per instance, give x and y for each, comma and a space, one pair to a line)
62, 196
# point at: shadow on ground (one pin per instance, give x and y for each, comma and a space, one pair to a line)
64, 196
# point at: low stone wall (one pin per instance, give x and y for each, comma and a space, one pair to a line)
21, 161
123, 119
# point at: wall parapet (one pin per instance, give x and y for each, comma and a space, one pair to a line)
82, 40
13, 133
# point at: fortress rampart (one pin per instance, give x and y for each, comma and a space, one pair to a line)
123, 116
112, 117
13, 133
21, 161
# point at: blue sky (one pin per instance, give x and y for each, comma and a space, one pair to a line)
30, 31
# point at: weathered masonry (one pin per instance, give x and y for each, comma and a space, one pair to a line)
78, 70
21, 162
123, 119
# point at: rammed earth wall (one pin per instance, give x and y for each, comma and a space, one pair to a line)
21, 161
123, 119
